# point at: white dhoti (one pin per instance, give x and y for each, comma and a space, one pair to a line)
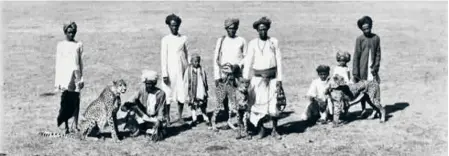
262, 99
266, 62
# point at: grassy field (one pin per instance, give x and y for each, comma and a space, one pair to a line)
122, 38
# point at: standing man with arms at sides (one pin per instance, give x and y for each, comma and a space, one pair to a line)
230, 49
69, 75
366, 61
174, 60
264, 58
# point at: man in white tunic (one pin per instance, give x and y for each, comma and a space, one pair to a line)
69, 75
230, 49
174, 61
264, 58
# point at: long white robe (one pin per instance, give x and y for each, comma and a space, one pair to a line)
174, 61
262, 97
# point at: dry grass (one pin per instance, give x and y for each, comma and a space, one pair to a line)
121, 38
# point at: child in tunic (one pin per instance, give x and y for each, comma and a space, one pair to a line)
195, 81
342, 68
69, 75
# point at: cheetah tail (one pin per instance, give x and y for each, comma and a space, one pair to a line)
55, 135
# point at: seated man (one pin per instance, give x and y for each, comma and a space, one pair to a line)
146, 107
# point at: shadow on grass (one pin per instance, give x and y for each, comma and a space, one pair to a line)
175, 130
169, 132
223, 115
398, 106
287, 128
299, 126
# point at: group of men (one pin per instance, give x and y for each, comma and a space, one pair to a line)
259, 61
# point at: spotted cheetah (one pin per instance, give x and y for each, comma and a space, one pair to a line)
241, 108
101, 112
344, 95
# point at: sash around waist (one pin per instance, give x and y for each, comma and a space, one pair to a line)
266, 73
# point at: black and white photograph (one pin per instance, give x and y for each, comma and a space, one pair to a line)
250, 78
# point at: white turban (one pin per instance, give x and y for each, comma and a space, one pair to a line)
149, 75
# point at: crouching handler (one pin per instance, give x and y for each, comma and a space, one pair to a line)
146, 108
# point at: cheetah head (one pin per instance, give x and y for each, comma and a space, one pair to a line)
231, 71
337, 81
243, 85
119, 86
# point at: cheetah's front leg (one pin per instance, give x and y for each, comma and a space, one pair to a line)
230, 123
114, 129
86, 128
220, 93
245, 123
240, 118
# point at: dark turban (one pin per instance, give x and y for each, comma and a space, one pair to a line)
323, 68
69, 25
231, 21
365, 20
343, 56
194, 57
264, 20
172, 17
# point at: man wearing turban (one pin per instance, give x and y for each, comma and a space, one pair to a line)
229, 49
264, 59
366, 61
69, 75
148, 103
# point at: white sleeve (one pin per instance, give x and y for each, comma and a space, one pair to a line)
248, 61
57, 66
164, 58
216, 67
186, 50
244, 51
278, 61
312, 92
80, 65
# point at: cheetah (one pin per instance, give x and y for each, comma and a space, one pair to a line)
225, 89
101, 112
345, 95
241, 108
